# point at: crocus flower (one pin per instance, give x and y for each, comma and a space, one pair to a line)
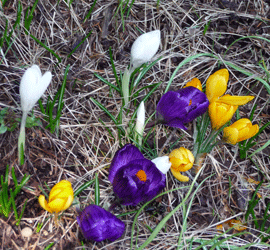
144, 48
32, 87
178, 107
195, 82
222, 107
60, 198
162, 163
140, 122
239, 131
98, 224
134, 178
182, 160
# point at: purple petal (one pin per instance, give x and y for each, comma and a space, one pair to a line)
122, 157
98, 224
183, 106
131, 190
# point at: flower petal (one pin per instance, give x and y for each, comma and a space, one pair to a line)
122, 157
195, 82
216, 84
179, 176
230, 135
57, 205
43, 203
234, 100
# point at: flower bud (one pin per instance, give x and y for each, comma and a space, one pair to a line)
33, 86
182, 160
140, 119
162, 163
239, 131
60, 198
144, 48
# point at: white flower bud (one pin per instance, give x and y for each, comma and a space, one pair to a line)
33, 86
144, 48
162, 163
140, 119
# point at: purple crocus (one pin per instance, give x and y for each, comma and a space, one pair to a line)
134, 178
178, 107
98, 224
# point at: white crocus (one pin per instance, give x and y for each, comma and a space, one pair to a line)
162, 163
144, 48
139, 128
142, 51
32, 87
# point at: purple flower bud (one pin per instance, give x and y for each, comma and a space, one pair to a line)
182, 106
98, 224
134, 178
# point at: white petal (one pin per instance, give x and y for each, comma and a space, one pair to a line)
32, 87
144, 48
162, 163
140, 119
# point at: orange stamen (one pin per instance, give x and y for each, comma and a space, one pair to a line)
190, 102
141, 175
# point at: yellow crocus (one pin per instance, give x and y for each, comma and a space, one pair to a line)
60, 198
222, 107
239, 131
216, 84
195, 82
182, 160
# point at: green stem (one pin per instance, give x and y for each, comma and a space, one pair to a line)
21, 139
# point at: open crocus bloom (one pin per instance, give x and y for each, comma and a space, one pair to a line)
182, 160
239, 131
176, 108
144, 48
134, 178
222, 107
60, 198
98, 224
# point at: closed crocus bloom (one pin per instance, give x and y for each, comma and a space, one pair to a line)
33, 86
162, 163
134, 178
220, 114
182, 160
140, 121
239, 131
216, 84
98, 224
178, 107
60, 198
144, 48
195, 82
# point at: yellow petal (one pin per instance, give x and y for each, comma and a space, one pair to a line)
195, 82
248, 134
57, 205
216, 84
181, 159
179, 176
68, 202
230, 135
220, 114
43, 203
235, 100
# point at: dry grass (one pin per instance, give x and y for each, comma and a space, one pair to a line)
85, 147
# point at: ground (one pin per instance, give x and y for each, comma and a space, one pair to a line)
199, 37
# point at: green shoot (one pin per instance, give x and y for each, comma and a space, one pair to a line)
29, 16
7, 197
55, 122
97, 192
90, 11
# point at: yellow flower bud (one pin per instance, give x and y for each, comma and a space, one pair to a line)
195, 82
216, 84
60, 198
182, 160
239, 131
220, 114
